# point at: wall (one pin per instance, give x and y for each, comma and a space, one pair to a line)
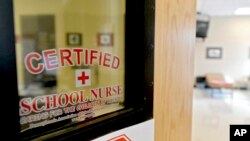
233, 35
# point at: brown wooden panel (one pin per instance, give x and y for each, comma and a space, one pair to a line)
174, 65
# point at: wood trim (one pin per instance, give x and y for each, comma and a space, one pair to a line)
174, 65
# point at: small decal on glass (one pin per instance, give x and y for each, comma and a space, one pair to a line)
83, 77
105, 39
74, 39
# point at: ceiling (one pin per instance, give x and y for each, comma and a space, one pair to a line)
220, 7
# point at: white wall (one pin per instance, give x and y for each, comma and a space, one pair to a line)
233, 35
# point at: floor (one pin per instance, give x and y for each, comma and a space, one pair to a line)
213, 112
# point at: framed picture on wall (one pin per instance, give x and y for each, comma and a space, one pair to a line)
105, 39
214, 52
74, 39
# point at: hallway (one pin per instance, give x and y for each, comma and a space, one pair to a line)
213, 113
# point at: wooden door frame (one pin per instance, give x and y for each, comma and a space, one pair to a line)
174, 65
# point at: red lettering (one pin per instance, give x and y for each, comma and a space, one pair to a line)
25, 108
97, 93
119, 89
86, 57
100, 93
92, 56
51, 102
63, 100
73, 98
93, 92
100, 59
108, 91
65, 56
48, 102
82, 98
114, 90
78, 52
30, 67
116, 62
35, 104
51, 62
106, 58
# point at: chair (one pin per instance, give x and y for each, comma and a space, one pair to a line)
219, 81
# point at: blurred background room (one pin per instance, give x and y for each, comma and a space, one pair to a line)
222, 68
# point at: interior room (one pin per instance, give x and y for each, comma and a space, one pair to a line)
222, 68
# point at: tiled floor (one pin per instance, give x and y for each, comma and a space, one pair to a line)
213, 113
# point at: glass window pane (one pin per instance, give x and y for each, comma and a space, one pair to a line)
70, 60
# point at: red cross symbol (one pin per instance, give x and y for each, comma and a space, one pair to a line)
83, 78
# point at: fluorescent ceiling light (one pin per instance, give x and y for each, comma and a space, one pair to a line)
242, 11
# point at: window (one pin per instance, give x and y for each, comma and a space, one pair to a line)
61, 94
64, 72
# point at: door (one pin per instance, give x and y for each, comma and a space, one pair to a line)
175, 27
74, 68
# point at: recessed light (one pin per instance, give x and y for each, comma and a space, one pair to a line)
242, 11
